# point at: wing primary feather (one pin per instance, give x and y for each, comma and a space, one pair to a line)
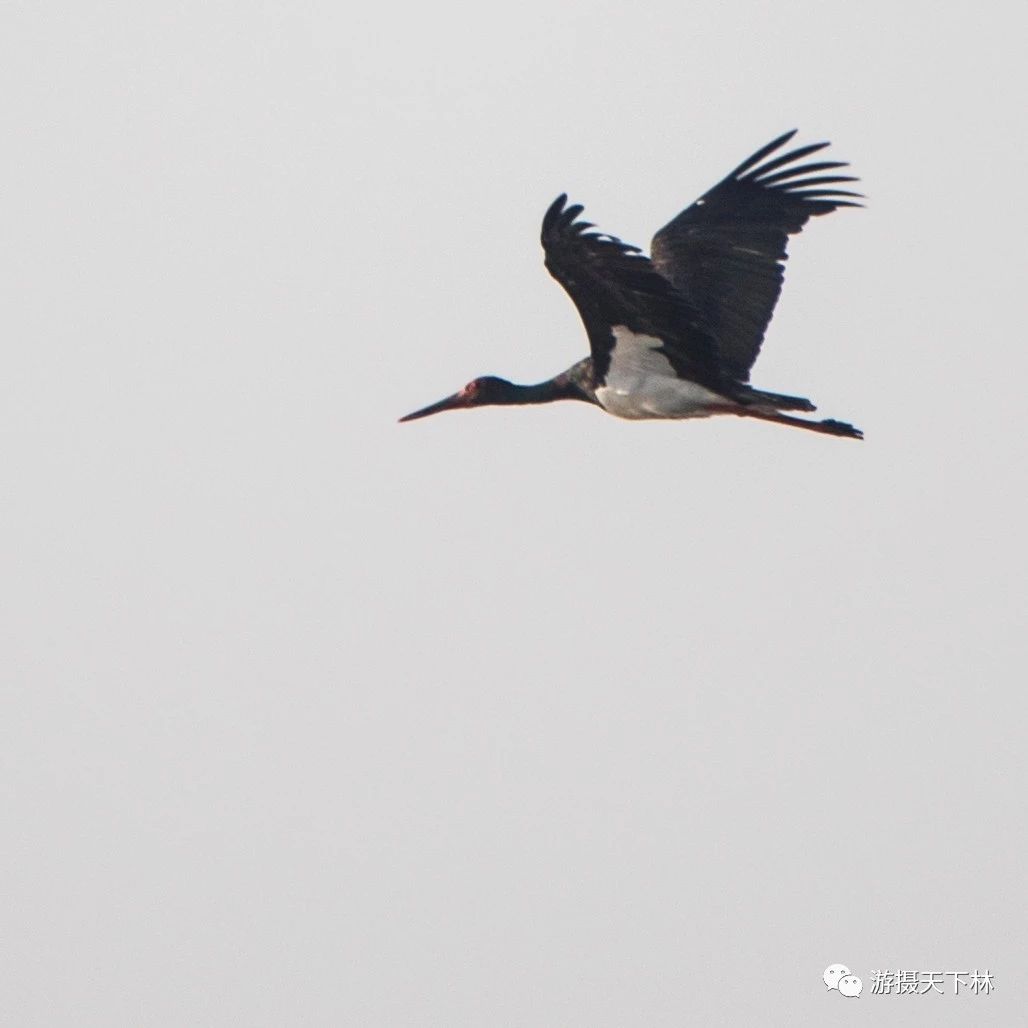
552, 215
757, 157
801, 169
813, 194
786, 158
816, 180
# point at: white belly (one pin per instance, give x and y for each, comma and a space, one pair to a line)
642, 384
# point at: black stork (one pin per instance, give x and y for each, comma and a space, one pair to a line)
674, 335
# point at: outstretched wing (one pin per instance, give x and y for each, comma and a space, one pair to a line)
725, 252
612, 283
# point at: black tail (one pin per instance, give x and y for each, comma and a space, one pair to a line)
777, 400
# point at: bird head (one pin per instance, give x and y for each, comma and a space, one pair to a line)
479, 392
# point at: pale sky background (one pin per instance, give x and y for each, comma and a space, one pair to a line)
514, 717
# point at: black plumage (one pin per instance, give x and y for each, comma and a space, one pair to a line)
724, 253
675, 335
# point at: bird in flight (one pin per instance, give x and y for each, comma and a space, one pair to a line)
674, 335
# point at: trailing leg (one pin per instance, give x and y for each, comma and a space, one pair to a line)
829, 426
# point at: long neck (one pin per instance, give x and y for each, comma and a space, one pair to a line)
560, 387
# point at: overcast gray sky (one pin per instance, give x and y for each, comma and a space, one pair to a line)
515, 717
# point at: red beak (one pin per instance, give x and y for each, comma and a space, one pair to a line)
454, 402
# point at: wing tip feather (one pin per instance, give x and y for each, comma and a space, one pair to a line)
759, 155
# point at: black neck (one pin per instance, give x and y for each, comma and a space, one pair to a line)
558, 388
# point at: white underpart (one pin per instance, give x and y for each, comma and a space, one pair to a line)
642, 384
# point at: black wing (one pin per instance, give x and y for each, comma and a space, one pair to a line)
724, 253
612, 283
